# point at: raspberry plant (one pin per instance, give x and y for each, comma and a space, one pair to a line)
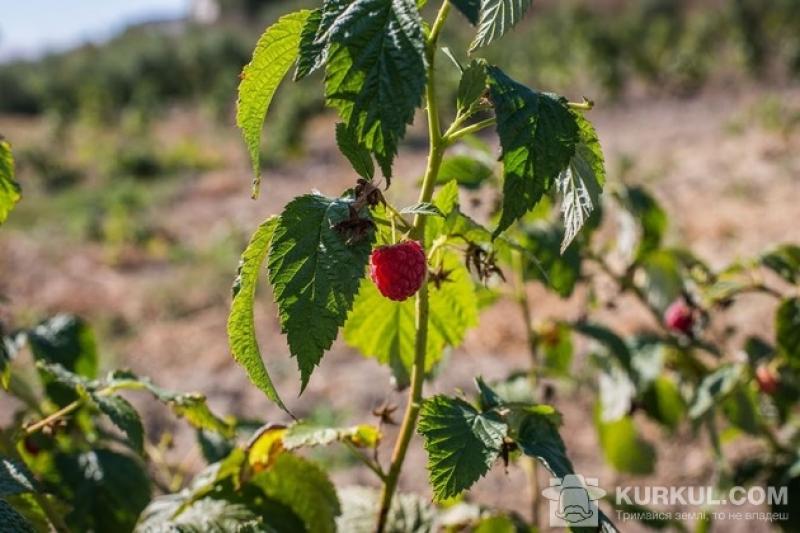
404, 284
380, 60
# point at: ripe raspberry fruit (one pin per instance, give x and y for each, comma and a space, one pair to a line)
767, 380
398, 270
679, 317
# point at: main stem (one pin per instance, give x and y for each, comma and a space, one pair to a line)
436, 151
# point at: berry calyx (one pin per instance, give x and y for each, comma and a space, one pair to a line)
679, 317
398, 270
767, 380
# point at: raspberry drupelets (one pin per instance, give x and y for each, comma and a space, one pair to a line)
398, 270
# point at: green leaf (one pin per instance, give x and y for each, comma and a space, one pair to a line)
497, 17
467, 171
358, 156
68, 341
275, 52
191, 406
384, 329
664, 402
663, 278
10, 192
375, 73
15, 478
315, 274
787, 326
469, 8
124, 416
422, 208
538, 134
647, 215
784, 261
556, 270
241, 324
742, 409
11, 521
610, 342
462, 444
305, 489
623, 448
536, 433
107, 490
582, 182
304, 434
311, 53
205, 515
714, 388
472, 84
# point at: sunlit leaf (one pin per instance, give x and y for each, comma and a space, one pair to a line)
274, 54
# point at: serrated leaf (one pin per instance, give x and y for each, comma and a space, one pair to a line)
384, 329
305, 489
55, 374
784, 261
497, 17
581, 183
241, 324
194, 408
10, 192
15, 478
124, 416
536, 433
208, 515
467, 171
472, 84
538, 134
462, 444
11, 521
375, 74
787, 326
470, 9
275, 52
422, 208
315, 274
359, 157
311, 54
305, 434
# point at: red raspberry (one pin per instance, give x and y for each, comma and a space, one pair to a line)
679, 317
767, 380
398, 270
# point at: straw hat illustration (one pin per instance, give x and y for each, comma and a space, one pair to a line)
574, 497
